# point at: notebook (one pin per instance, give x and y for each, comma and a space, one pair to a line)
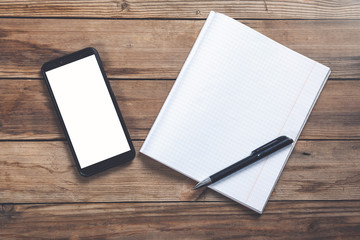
236, 91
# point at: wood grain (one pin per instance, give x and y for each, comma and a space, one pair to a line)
268, 9
27, 112
44, 172
143, 45
216, 220
157, 49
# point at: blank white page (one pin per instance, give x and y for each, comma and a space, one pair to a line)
237, 90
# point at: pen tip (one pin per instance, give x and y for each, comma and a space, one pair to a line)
196, 186
202, 183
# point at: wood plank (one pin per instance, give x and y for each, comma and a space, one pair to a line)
158, 48
27, 112
269, 9
43, 172
281, 220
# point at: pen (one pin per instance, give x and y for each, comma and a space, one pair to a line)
255, 155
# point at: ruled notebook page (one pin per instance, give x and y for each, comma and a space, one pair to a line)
237, 90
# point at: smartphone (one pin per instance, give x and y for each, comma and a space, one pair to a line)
88, 111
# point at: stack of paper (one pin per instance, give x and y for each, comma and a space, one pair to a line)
237, 90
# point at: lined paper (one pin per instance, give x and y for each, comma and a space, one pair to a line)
237, 90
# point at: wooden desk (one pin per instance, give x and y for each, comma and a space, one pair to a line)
143, 46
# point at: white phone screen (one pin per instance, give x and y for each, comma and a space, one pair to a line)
87, 111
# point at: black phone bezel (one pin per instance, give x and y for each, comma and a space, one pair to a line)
106, 163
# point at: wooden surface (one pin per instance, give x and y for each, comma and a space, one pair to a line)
143, 45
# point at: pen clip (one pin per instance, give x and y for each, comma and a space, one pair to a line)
267, 145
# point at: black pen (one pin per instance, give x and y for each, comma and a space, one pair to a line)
255, 155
